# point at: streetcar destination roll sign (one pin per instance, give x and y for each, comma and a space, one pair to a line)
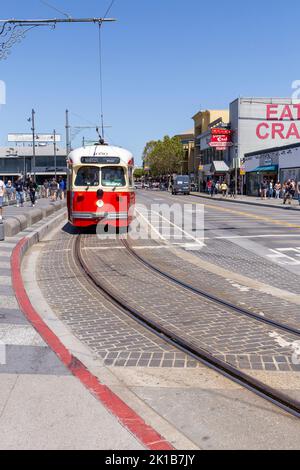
101, 160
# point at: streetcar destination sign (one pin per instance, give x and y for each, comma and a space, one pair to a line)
101, 160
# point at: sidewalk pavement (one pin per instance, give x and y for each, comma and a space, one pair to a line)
17, 219
42, 405
252, 200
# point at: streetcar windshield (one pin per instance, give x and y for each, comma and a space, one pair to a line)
88, 176
113, 176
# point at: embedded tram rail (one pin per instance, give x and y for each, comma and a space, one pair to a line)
206, 295
274, 396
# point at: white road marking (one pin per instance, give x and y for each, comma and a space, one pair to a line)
282, 258
20, 335
282, 235
238, 286
188, 235
294, 345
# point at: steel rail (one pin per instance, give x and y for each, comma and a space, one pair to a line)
259, 388
211, 297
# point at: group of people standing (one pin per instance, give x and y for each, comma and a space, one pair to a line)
55, 189
285, 191
23, 187
221, 187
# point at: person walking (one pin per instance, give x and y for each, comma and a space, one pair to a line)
298, 191
224, 189
209, 187
32, 187
270, 189
46, 189
2, 193
62, 188
277, 188
232, 188
53, 190
9, 191
289, 192
263, 189
19, 187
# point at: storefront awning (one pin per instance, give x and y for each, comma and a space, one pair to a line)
219, 167
261, 169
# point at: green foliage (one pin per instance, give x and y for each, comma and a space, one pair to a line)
139, 173
164, 156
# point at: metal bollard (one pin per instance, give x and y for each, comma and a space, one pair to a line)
2, 233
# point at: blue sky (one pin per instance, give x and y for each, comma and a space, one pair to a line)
162, 61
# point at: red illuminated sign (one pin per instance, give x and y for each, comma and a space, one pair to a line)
220, 138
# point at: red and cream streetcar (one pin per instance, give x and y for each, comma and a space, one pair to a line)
100, 186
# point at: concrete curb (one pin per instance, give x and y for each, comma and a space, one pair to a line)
249, 203
150, 438
14, 225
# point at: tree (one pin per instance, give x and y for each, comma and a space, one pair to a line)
164, 156
139, 173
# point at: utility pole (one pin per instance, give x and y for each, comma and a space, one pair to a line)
68, 147
55, 153
33, 143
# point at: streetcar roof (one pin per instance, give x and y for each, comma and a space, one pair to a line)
100, 151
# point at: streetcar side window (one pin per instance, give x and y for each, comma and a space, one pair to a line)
113, 176
88, 176
130, 176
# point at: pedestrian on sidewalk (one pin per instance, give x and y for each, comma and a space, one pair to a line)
232, 188
209, 187
46, 189
2, 193
9, 191
263, 189
19, 187
32, 187
53, 190
289, 192
270, 189
224, 189
62, 188
298, 191
277, 188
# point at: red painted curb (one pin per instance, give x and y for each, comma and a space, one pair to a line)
128, 417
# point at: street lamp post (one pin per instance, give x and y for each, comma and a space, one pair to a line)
14, 31
33, 142
55, 153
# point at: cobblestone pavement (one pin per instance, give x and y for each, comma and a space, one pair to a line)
255, 258
268, 306
111, 335
239, 340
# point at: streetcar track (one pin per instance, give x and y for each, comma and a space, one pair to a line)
207, 296
259, 388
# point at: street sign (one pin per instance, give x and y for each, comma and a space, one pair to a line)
45, 138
